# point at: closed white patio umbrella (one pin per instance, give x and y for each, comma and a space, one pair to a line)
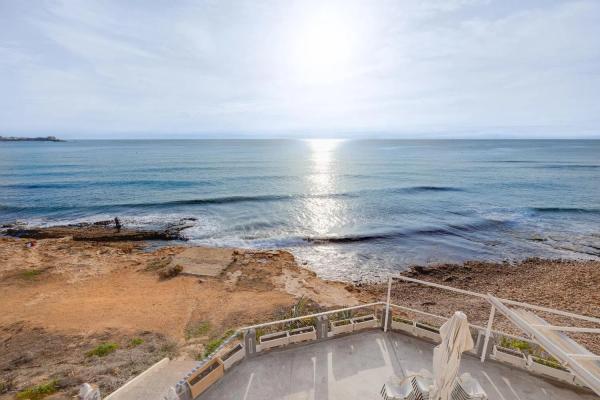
456, 338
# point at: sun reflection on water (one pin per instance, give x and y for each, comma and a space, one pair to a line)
322, 213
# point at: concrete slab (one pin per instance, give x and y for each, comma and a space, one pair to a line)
356, 367
202, 261
154, 383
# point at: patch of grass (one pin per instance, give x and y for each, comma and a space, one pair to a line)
156, 264
38, 392
30, 273
215, 343
260, 332
212, 346
169, 348
135, 342
341, 315
102, 350
515, 344
200, 329
302, 307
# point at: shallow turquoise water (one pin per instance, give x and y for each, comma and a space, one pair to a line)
352, 209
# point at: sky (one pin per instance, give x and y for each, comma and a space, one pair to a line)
380, 68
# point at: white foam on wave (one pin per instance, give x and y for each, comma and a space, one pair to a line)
46, 223
256, 243
155, 220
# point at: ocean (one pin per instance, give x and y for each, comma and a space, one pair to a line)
350, 209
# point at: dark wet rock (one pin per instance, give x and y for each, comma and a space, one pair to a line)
101, 231
420, 270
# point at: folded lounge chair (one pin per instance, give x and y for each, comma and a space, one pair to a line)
417, 386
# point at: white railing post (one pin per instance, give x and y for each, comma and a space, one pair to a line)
488, 332
387, 304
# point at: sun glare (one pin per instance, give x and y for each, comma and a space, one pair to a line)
324, 48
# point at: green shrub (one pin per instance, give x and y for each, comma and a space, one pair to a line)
549, 362
260, 332
200, 329
135, 342
102, 350
38, 392
30, 273
215, 343
156, 264
170, 349
515, 344
347, 314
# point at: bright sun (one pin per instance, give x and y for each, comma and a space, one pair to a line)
324, 48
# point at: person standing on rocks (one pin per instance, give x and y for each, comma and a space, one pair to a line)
117, 224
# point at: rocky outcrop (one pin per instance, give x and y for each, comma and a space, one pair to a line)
30, 139
102, 231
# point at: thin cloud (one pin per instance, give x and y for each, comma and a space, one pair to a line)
413, 68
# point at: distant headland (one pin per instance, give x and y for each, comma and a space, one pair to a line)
30, 139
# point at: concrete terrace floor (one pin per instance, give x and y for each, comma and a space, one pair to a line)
356, 366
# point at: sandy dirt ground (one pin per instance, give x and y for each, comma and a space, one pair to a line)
79, 290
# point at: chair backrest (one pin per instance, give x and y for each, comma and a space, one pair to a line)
420, 387
408, 389
467, 388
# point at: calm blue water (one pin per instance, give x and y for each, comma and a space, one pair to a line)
352, 209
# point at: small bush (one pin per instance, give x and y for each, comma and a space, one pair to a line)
156, 264
30, 273
549, 362
215, 343
260, 332
38, 392
212, 346
347, 314
135, 342
200, 329
515, 344
170, 272
102, 350
170, 349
